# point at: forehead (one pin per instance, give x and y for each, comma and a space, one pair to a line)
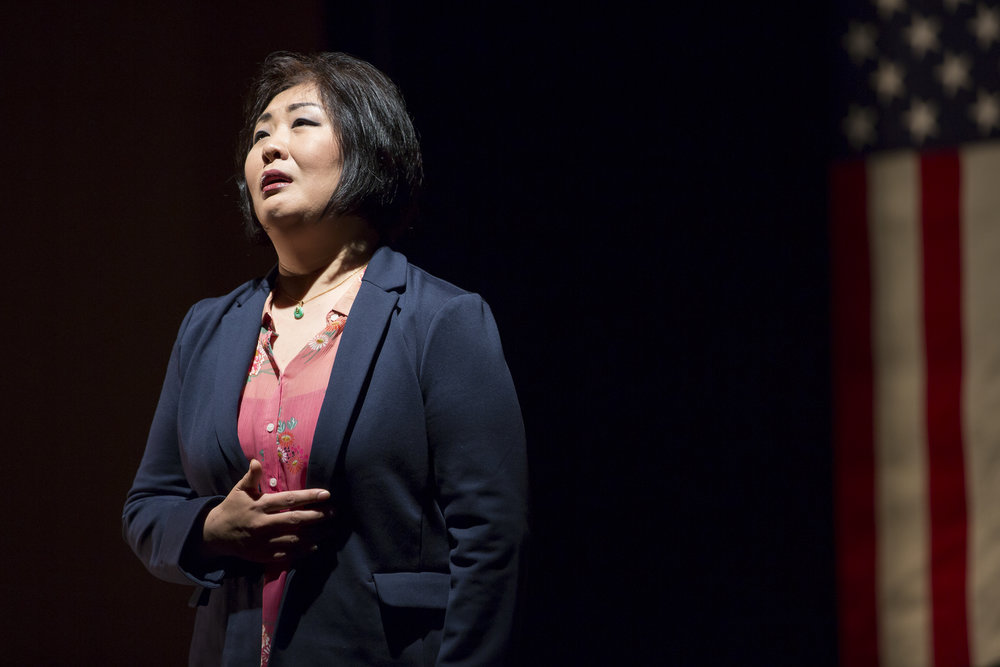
303, 93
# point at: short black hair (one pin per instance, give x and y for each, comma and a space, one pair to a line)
382, 167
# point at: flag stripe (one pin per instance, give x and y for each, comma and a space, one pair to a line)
981, 393
920, 88
916, 352
903, 579
853, 420
942, 290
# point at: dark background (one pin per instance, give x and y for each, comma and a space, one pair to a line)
639, 195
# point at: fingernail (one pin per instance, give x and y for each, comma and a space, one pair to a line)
323, 495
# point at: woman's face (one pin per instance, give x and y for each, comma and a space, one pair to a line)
294, 164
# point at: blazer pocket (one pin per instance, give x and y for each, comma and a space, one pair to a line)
415, 590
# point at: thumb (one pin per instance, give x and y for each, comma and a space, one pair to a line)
251, 480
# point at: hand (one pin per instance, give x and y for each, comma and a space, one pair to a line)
264, 527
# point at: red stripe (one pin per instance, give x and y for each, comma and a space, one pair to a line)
941, 212
853, 415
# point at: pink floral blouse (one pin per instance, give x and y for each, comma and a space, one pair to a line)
277, 421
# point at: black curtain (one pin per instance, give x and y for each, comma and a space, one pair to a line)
640, 195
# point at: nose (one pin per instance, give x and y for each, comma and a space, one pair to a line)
273, 150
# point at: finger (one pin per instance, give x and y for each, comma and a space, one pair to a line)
285, 500
250, 483
285, 559
287, 547
290, 521
327, 508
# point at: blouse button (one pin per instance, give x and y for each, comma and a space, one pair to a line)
270, 428
273, 482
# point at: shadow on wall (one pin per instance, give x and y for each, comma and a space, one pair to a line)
123, 121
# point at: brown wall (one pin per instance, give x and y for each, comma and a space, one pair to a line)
118, 125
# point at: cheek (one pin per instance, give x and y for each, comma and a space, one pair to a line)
334, 169
330, 152
250, 175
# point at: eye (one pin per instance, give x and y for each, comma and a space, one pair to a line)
304, 121
258, 135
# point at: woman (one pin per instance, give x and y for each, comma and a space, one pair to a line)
337, 459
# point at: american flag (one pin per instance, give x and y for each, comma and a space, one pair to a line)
915, 212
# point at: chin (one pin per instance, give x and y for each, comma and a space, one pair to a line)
275, 212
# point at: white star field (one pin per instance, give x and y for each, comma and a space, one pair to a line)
920, 76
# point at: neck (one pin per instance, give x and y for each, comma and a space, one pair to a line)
315, 259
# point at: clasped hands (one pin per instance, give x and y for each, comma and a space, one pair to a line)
266, 527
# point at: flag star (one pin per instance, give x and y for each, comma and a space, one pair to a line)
860, 42
887, 81
859, 126
954, 73
952, 5
923, 35
986, 26
986, 111
921, 119
887, 7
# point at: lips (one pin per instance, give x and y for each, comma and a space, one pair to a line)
274, 180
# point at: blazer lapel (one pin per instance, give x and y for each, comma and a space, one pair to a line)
359, 347
235, 346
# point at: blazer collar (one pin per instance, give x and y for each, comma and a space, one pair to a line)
386, 270
360, 344
236, 345
361, 341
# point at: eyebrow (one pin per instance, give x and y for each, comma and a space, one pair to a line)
291, 107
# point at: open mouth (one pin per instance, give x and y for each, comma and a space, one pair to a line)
274, 180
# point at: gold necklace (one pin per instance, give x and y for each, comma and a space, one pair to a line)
298, 312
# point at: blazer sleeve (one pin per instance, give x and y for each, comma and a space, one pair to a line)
162, 514
477, 443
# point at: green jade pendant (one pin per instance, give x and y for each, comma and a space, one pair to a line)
298, 311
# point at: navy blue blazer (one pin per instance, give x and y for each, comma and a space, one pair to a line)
421, 444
